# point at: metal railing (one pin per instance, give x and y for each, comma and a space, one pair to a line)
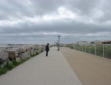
103, 50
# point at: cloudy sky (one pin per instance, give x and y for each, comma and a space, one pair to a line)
40, 21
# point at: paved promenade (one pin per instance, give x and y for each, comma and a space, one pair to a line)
90, 69
42, 70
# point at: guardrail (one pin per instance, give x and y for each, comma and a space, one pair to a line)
103, 50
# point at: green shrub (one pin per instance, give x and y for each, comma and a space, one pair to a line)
3, 70
12, 65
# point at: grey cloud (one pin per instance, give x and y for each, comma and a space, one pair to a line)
17, 9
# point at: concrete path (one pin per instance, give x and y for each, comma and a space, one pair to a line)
42, 70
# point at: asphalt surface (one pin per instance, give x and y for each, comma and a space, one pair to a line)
42, 70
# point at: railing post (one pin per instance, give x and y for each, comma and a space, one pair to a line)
95, 49
82, 48
103, 50
85, 48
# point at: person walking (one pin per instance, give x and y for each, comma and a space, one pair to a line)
47, 49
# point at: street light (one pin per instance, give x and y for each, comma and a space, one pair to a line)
58, 43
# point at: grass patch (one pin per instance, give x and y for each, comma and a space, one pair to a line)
8, 67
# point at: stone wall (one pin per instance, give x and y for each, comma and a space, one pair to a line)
19, 52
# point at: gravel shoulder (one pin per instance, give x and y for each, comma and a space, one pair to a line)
90, 69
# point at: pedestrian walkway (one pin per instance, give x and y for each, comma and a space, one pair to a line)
42, 70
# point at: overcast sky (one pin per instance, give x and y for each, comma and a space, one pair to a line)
40, 21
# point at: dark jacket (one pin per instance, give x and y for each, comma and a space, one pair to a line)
47, 48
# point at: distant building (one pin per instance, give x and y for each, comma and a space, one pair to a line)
101, 42
106, 42
83, 43
97, 42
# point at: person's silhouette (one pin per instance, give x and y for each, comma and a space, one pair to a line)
47, 49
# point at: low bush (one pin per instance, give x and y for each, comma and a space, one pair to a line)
10, 66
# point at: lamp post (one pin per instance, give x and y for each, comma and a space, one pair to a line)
58, 43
